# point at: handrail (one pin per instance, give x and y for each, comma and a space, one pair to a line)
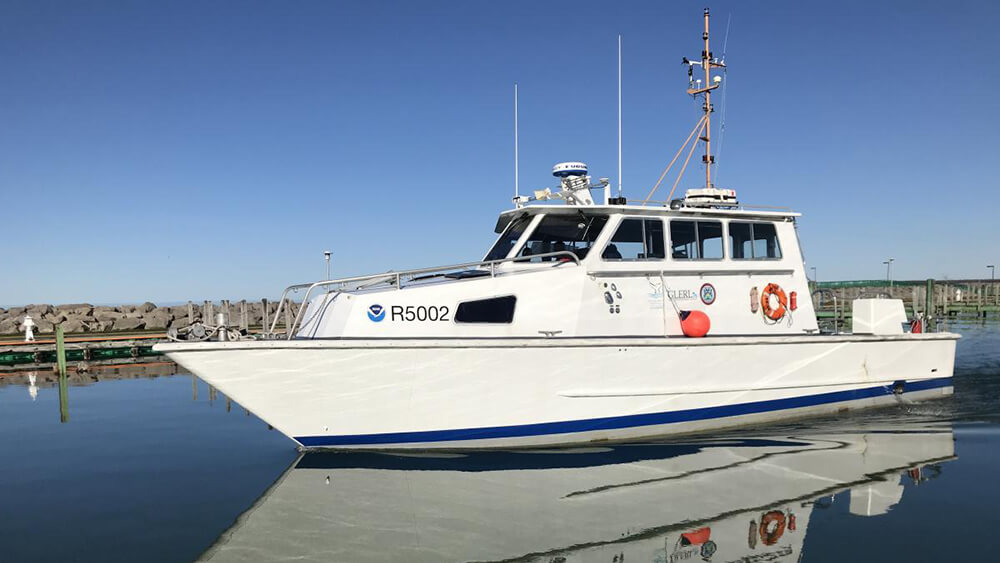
396, 278
836, 317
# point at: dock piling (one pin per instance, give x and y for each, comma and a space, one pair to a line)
929, 304
244, 319
61, 366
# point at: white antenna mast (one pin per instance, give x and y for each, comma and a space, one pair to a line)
517, 191
607, 190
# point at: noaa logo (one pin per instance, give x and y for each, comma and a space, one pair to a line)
376, 313
707, 294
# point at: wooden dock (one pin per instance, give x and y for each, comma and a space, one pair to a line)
938, 299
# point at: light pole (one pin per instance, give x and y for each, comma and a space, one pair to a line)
993, 271
815, 279
888, 270
326, 254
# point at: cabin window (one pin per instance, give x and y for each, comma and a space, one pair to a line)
636, 239
753, 241
509, 238
497, 310
562, 233
696, 240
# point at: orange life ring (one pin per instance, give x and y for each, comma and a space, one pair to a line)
772, 526
773, 313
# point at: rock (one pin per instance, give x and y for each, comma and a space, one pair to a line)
157, 319
129, 323
8, 326
108, 316
181, 311
37, 311
54, 317
44, 327
78, 309
16, 311
74, 325
146, 307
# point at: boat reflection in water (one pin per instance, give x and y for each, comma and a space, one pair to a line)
720, 500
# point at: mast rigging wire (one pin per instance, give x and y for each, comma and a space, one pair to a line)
697, 127
725, 87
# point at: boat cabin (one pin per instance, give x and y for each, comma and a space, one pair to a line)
589, 270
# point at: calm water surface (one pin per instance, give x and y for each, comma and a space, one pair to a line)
144, 471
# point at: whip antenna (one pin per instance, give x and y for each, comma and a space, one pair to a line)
517, 191
619, 115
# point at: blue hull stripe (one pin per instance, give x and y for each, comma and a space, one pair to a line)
615, 422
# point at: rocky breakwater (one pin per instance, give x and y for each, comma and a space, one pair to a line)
83, 317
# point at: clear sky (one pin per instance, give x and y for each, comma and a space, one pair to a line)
209, 150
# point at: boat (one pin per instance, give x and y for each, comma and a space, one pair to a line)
591, 319
737, 497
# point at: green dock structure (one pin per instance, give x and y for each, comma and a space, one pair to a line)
934, 299
79, 351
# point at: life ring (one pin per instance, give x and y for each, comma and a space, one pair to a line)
772, 526
773, 313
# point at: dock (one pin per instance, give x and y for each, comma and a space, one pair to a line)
936, 299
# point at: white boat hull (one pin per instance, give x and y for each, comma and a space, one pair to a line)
391, 394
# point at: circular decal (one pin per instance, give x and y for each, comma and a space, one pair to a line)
376, 313
707, 294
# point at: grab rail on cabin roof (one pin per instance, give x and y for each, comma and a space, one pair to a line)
738, 207
397, 279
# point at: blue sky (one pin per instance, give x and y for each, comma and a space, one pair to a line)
209, 150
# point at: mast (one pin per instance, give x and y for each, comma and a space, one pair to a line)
695, 89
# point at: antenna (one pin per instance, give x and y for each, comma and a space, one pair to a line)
619, 120
517, 191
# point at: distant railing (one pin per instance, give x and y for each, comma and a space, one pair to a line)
836, 312
397, 280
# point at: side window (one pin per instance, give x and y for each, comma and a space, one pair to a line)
765, 241
710, 239
740, 241
696, 240
498, 310
636, 239
562, 233
753, 241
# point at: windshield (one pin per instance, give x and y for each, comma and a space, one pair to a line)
555, 233
509, 237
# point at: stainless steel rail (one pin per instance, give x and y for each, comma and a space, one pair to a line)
397, 279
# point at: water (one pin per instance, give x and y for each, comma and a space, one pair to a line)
142, 472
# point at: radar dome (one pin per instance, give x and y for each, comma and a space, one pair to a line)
566, 169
